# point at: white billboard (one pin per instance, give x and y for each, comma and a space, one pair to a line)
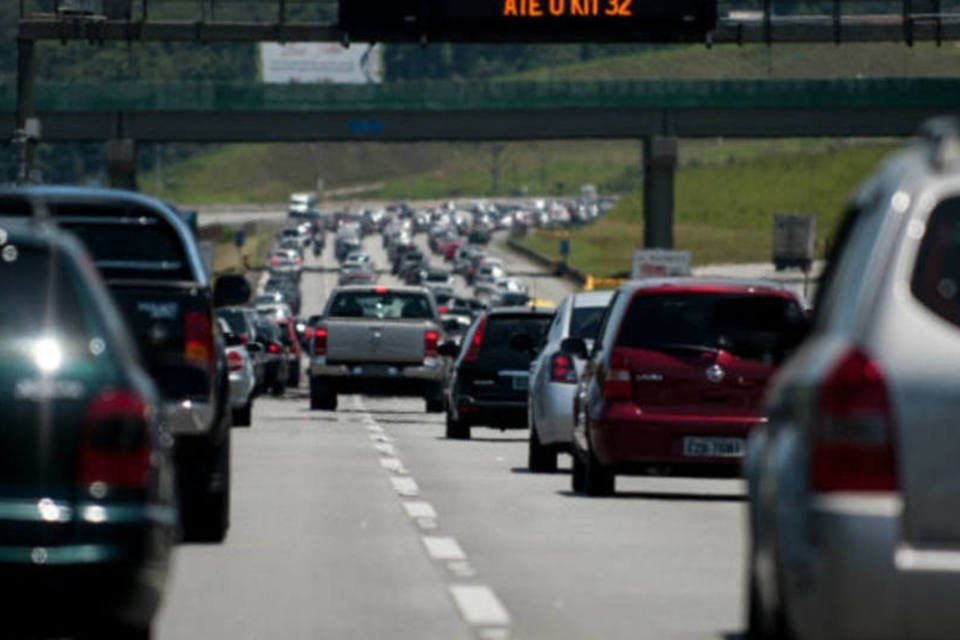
313, 62
659, 263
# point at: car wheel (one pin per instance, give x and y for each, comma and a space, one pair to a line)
322, 397
578, 475
241, 417
210, 510
597, 479
456, 430
540, 458
117, 631
277, 389
293, 380
763, 624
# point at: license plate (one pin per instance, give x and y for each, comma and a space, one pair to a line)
694, 447
521, 383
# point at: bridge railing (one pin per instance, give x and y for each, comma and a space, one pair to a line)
455, 96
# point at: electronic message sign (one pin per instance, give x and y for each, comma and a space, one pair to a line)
528, 20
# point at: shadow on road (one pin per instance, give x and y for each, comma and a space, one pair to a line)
733, 635
562, 471
666, 496
485, 440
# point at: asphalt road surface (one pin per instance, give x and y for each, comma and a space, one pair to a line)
367, 523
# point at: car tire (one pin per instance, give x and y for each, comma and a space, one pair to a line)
456, 430
322, 397
293, 380
763, 625
277, 389
434, 405
578, 475
540, 458
117, 631
597, 479
242, 417
210, 511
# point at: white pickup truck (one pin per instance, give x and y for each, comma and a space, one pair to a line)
377, 341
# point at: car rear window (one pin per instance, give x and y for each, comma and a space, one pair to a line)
585, 322
388, 305
495, 349
235, 319
936, 274
39, 298
756, 327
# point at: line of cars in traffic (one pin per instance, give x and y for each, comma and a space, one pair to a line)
842, 418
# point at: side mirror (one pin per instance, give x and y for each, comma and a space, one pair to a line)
575, 347
522, 342
231, 290
448, 349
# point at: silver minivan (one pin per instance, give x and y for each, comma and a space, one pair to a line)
854, 483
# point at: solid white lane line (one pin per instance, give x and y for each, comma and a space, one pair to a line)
420, 510
405, 486
443, 548
479, 605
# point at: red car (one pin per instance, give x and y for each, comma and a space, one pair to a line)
677, 376
450, 250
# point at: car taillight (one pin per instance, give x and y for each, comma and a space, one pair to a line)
274, 261
853, 447
273, 347
562, 369
474, 351
381, 291
471, 270
443, 309
430, 340
115, 446
198, 339
320, 341
234, 361
616, 383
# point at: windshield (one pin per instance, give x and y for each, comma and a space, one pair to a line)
755, 327
381, 306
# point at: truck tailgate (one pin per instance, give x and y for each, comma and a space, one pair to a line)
386, 341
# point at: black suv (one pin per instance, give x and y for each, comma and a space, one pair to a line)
490, 377
152, 266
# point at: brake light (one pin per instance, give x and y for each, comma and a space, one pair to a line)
853, 447
115, 446
471, 270
320, 341
562, 369
198, 339
430, 340
381, 291
273, 347
474, 351
234, 361
443, 309
616, 383
274, 261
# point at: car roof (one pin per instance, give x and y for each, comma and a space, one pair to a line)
592, 298
698, 285
67, 194
533, 312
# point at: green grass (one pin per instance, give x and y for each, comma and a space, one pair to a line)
760, 61
724, 212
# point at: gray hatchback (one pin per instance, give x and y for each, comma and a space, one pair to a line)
854, 483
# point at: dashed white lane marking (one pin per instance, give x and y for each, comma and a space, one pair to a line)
393, 465
385, 448
479, 605
443, 548
380, 437
461, 569
405, 486
420, 510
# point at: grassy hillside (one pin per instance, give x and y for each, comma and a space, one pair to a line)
759, 61
724, 212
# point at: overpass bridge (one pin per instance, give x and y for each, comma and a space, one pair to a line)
658, 112
483, 111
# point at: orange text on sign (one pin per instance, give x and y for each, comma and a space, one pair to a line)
566, 8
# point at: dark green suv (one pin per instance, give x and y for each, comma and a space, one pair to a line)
88, 510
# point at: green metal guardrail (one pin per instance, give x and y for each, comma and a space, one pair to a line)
456, 96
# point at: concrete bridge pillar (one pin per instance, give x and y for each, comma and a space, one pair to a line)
122, 163
659, 167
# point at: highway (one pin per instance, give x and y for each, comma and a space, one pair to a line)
368, 523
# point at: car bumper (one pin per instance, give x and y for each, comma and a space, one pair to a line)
432, 372
499, 415
555, 423
625, 436
241, 388
189, 417
858, 579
